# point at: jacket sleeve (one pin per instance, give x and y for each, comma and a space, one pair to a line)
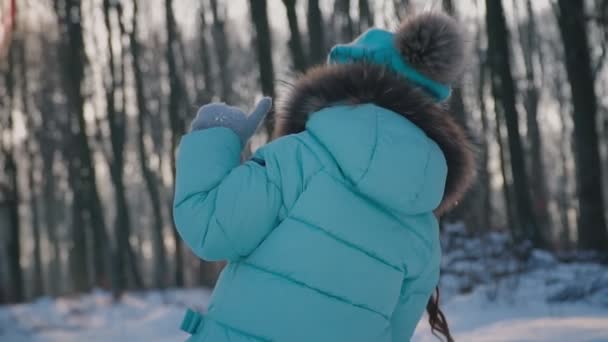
222, 210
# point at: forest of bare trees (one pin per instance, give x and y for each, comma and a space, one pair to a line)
95, 96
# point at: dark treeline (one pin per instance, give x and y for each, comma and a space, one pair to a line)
95, 95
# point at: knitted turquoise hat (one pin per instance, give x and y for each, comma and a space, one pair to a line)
417, 52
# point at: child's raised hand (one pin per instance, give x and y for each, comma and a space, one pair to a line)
222, 115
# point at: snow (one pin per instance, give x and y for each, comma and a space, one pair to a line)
520, 312
147, 316
489, 293
498, 290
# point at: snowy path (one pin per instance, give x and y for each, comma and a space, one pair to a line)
152, 317
472, 318
139, 317
522, 311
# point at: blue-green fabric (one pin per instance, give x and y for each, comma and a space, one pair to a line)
329, 234
377, 46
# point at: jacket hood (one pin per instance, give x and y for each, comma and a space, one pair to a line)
387, 158
361, 83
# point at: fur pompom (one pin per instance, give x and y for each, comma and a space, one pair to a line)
433, 44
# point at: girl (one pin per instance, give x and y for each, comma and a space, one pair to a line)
330, 231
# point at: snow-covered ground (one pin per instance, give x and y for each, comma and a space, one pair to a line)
150, 316
488, 294
526, 308
521, 312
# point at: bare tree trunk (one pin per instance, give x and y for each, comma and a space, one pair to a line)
484, 174
536, 171
295, 41
38, 279
38, 285
263, 44
366, 16
134, 270
118, 256
564, 178
3, 299
123, 254
79, 269
50, 216
176, 123
601, 15
48, 142
456, 101
448, 6
150, 178
87, 208
343, 21
401, 7
592, 232
504, 92
11, 195
315, 24
512, 220
220, 41
466, 211
207, 88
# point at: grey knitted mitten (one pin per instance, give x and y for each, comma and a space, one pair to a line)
222, 115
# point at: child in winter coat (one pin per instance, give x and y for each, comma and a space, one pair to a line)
331, 231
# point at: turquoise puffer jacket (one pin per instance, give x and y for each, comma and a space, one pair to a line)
330, 233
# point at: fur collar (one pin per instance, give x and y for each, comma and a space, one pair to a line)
365, 83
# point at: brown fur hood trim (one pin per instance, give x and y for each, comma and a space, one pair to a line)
358, 83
